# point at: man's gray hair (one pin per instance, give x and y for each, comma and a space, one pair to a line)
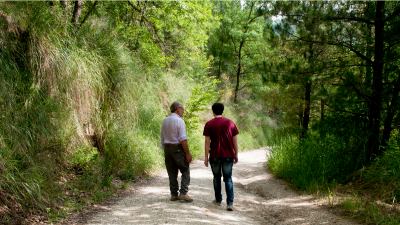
174, 106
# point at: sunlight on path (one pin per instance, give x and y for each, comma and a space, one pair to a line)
151, 205
259, 199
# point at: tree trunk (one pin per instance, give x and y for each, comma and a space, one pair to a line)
63, 4
89, 12
219, 66
238, 70
393, 107
307, 93
322, 109
77, 12
375, 104
307, 109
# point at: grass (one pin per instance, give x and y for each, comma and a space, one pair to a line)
319, 165
370, 212
68, 78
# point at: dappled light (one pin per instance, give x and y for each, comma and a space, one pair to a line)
149, 203
86, 86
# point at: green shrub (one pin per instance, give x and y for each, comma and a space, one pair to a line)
313, 161
384, 173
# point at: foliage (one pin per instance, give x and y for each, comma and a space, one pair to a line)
305, 165
82, 103
385, 172
370, 213
202, 96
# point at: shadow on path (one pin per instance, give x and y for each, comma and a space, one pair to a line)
259, 199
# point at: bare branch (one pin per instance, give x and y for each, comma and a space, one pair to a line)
346, 111
340, 44
89, 12
351, 19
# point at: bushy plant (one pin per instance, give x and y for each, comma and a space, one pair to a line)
317, 160
385, 172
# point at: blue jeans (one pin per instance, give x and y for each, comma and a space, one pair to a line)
222, 167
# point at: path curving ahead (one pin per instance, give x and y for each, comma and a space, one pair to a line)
259, 199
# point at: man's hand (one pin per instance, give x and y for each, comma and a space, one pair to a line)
188, 158
235, 159
206, 161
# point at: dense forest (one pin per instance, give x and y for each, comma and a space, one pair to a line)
84, 86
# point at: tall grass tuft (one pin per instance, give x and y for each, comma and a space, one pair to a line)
384, 174
60, 85
322, 158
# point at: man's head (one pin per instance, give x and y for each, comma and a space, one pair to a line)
177, 108
217, 108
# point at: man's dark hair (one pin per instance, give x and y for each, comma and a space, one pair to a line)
217, 108
174, 106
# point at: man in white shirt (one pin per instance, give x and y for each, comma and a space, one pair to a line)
176, 152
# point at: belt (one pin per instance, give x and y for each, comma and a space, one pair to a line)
171, 145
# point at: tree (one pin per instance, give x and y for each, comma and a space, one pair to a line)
347, 27
232, 44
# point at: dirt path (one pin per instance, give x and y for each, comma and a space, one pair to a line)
259, 199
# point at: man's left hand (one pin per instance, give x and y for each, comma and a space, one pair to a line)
235, 159
206, 161
188, 158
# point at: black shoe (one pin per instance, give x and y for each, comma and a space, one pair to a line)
174, 198
216, 203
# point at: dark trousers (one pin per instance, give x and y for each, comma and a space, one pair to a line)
222, 167
174, 161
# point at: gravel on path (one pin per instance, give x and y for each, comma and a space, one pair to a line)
259, 199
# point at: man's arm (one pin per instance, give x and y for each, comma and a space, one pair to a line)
185, 147
183, 141
235, 146
207, 142
162, 138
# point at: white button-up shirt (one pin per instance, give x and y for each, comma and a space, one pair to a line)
173, 130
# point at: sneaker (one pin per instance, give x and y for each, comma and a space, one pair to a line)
229, 208
185, 198
174, 198
216, 203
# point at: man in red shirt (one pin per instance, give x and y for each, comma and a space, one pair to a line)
221, 151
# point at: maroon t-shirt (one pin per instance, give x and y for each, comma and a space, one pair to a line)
221, 131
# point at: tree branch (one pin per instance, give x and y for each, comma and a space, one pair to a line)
63, 4
149, 24
357, 90
89, 12
393, 15
346, 111
351, 19
340, 44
